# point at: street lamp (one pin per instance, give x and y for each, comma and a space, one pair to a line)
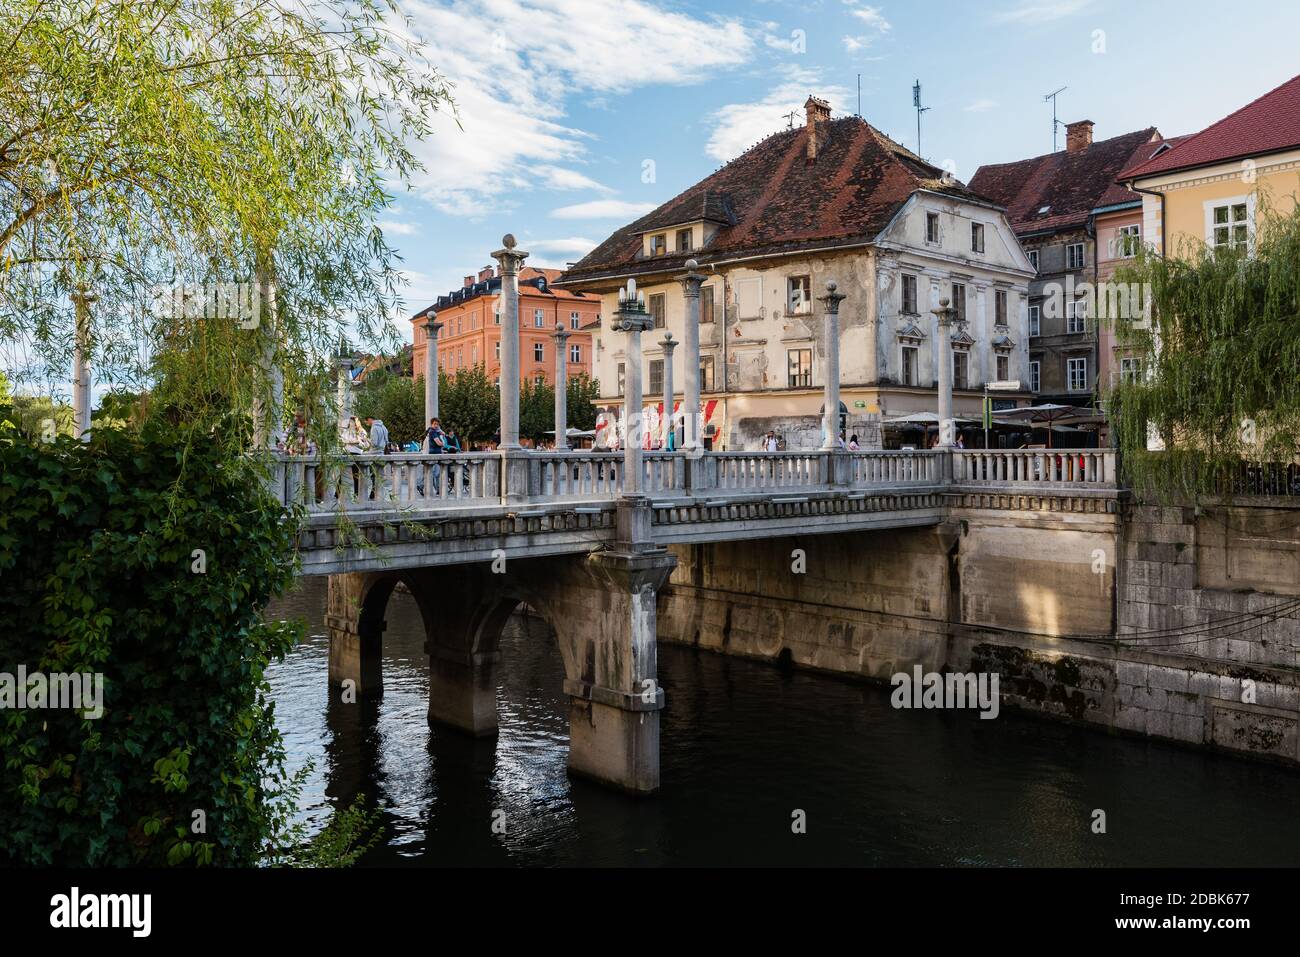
633, 319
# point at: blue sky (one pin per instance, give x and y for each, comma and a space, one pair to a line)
576, 116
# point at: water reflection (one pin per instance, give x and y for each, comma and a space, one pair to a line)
743, 746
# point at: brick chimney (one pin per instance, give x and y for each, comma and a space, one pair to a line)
469, 281
819, 112
485, 274
1078, 136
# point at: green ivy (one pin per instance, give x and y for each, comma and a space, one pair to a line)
99, 573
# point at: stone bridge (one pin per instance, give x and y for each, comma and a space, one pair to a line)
473, 536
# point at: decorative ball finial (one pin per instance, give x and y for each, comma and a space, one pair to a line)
508, 241
692, 265
943, 303
668, 336
831, 285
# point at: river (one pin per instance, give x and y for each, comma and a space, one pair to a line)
744, 746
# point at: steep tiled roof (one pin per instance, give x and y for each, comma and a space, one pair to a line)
1060, 190
1266, 125
771, 200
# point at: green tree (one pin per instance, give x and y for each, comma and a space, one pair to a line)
469, 403
1221, 349
399, 401
147, 145
536, 410
582, 393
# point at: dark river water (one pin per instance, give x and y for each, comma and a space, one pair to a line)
744, 746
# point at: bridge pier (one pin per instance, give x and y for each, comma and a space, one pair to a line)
356, 631
463, 690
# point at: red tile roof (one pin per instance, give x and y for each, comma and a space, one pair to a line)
1060, 190
1266, 125
770, 200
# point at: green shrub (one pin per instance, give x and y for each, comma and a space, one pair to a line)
100, 572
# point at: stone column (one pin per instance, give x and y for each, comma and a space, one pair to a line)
343, 365
691, 393
81, 400
979, 371
561, 388
431, 328
614, 709
943, 357
669, 428
511, 260
831, 387
633, 319
463, 689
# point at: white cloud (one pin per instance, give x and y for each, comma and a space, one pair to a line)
1042, 11
873, 18
397, 229
738, 126
603, 209
873, 21
980, 106
515, 64
574, 245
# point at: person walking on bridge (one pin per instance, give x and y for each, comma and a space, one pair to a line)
378, 443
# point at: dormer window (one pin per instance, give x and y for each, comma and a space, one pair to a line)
658, 244
684, 240
1044, 210
541, 284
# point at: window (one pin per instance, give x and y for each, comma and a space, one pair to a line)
909, 295
1074, 256
932, 227
959, 301
496, 383
799, 295
575, 353
539, 317
1127, 241
1033, 258
1034, 378
706, 373
909, 365
1076, 374
496, 317
960, 370
749, 298
657, 309
706, 304
460, 357
574, 320
498, 350
656, 376
683, 240
1000, 307
1004, 366
799, 368
473, 354
658, 244
539, 352
622, 379
977, 237
1129, 370
1076, 311
1230, 227
1034, 320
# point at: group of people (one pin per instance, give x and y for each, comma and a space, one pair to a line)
771, 443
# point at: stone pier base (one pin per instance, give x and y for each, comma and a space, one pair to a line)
463, 691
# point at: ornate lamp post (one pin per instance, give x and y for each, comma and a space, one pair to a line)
943, 356
633, 319
669, 429
431, 329
831, 388
561, 388
691, 392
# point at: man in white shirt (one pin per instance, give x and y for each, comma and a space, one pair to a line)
770, 443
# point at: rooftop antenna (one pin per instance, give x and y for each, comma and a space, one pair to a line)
859, 94
1055, 121
789, 117
916, 102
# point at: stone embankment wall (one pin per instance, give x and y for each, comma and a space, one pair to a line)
1177, 623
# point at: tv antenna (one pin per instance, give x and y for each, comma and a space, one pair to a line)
916, 102
789, 119
859, 94
1055, 121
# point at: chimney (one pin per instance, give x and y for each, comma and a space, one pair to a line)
819, 111
469, 281
485, 274
1078, 136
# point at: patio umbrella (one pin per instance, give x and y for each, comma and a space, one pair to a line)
1047, 413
